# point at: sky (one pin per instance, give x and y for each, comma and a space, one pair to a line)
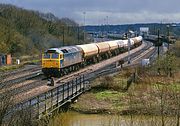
100, 12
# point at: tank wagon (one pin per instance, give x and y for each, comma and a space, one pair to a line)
113, 47
89, 53
60, 61
137, 41
103, 50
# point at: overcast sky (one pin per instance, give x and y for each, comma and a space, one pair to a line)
107, 11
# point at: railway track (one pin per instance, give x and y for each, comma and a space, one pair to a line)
103, 64
20, 70
27, 87
113, 68
19, 79
31, 93
33, 87
9, 80
42, 87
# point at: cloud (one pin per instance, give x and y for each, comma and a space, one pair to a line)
118, 11
100, 18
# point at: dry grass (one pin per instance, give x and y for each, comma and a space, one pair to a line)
144, 97
176, 48
157, 96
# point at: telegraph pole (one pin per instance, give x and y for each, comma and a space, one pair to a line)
78, 33
168, 36
63, 35
107, 25
84, 24
158, 43
129, 46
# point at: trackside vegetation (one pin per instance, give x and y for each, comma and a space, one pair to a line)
155, 92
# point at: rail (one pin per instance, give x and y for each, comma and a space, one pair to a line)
62, 93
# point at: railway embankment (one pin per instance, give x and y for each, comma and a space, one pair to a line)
155, 91
148, 95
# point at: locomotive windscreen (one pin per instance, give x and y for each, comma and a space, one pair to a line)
51, 51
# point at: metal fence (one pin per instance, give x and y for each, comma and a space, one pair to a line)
51, 100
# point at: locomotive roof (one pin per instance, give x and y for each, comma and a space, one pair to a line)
53, 50
65, 49
70, 49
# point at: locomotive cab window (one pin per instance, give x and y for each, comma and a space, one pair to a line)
46, 55
55, 56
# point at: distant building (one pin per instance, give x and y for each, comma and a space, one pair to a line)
5, 59
144, 30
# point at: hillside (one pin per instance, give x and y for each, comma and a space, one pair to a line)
27, 32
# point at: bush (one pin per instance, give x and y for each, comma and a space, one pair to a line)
107, 82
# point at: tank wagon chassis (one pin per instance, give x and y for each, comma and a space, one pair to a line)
61, 61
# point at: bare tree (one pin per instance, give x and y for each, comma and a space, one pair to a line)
5, 100
9, 114
176, 102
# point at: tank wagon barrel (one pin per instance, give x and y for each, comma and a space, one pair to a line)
89, 50
103, 47
113, 44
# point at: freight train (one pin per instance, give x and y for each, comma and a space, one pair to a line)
61, 61
154, 39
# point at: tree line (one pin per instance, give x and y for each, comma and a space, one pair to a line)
30, 32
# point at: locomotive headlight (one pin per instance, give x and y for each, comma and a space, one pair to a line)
57, 62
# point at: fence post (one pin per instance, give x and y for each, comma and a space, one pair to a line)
72, 87
51, 98
63, 92
80, 83
83, 83
45, 102
22, 106
38, 105
68, 89
76, 84
57, 93
30, 108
